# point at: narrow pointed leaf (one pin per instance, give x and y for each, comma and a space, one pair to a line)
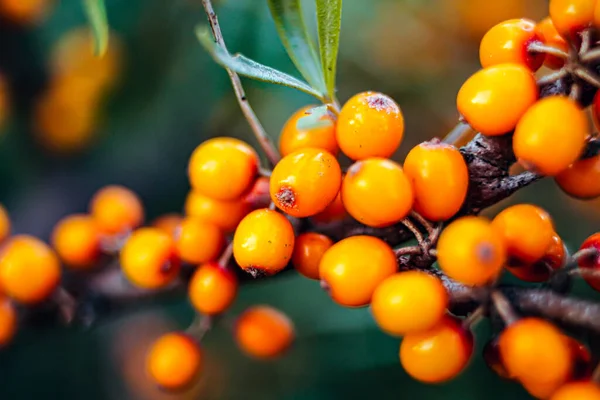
249, 68
293, 33
329, 19
315, 118
96, 14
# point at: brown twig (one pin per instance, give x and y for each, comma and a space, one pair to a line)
416, 232
538, 47
422, 221
458, 133
226, 256
408, 250
503, 307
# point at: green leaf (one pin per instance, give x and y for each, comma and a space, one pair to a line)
329, 20
293, 33
247, 67
315, 118
96, 14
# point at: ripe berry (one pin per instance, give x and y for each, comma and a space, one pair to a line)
536, 352
571, 16
223, 168
352, 269
4, 103
116, 210
438, 354
595, 106
258, 196
4, 224
148, 258
334, 212
292, 138
174, 361
409, 302
76, 239
377, 192
582, 179
491, 356
168, 223
264, 332
305, 182
547, 31
527, 231
8, 321
539, 271
591, 262
508, 41
543, 143
24, 12
308, 251
493, 99
577, 391
263, 242
212, 289
439, 177
197, 241
29, 269
471, 251
225, 214
370, 124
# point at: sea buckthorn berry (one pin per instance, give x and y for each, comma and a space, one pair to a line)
370, 124
582, 360
8, 321
593, 261
223, 168
174, 361
577, 391
292, 138
508, 41
305, 182
148, 258
571, 16
76, 239
263, 242
168, 223
438, 354
527, 231
29, 269
264, 332
308, 251
540, 389
24, 12
493, 99
352, 269
258, 196
543, 143
536, 352
409, 302
212, 289
225, 214
581, 179
116, 210
439, 177
198, 241
539, 271
491, 356
550, 36
334, 212
4, 223
595, 106
4, 102
471, 251
377, 192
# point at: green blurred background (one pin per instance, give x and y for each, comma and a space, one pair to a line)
169, 97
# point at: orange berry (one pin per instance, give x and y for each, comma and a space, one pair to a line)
539, 271
225, 214
542, 143
212, 289
29, 269
377, 192
174, 361
591, 262
581, 179
25, 12
471, 251
577, 391
5, 101
439, 176
493, 99
550, 36
264, 332
305, 182
508, 41
116, 210
571, 16
308, 251
76, 239
4, 224
540, 389
258, 196
223, 168
491, 356
409, 302
370, 124
263, 242
197, 241
8, 321
582, 360
536, 352
168, 223
353, 268
334, 212
292, 138
148, 258
438, 354
527, 231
